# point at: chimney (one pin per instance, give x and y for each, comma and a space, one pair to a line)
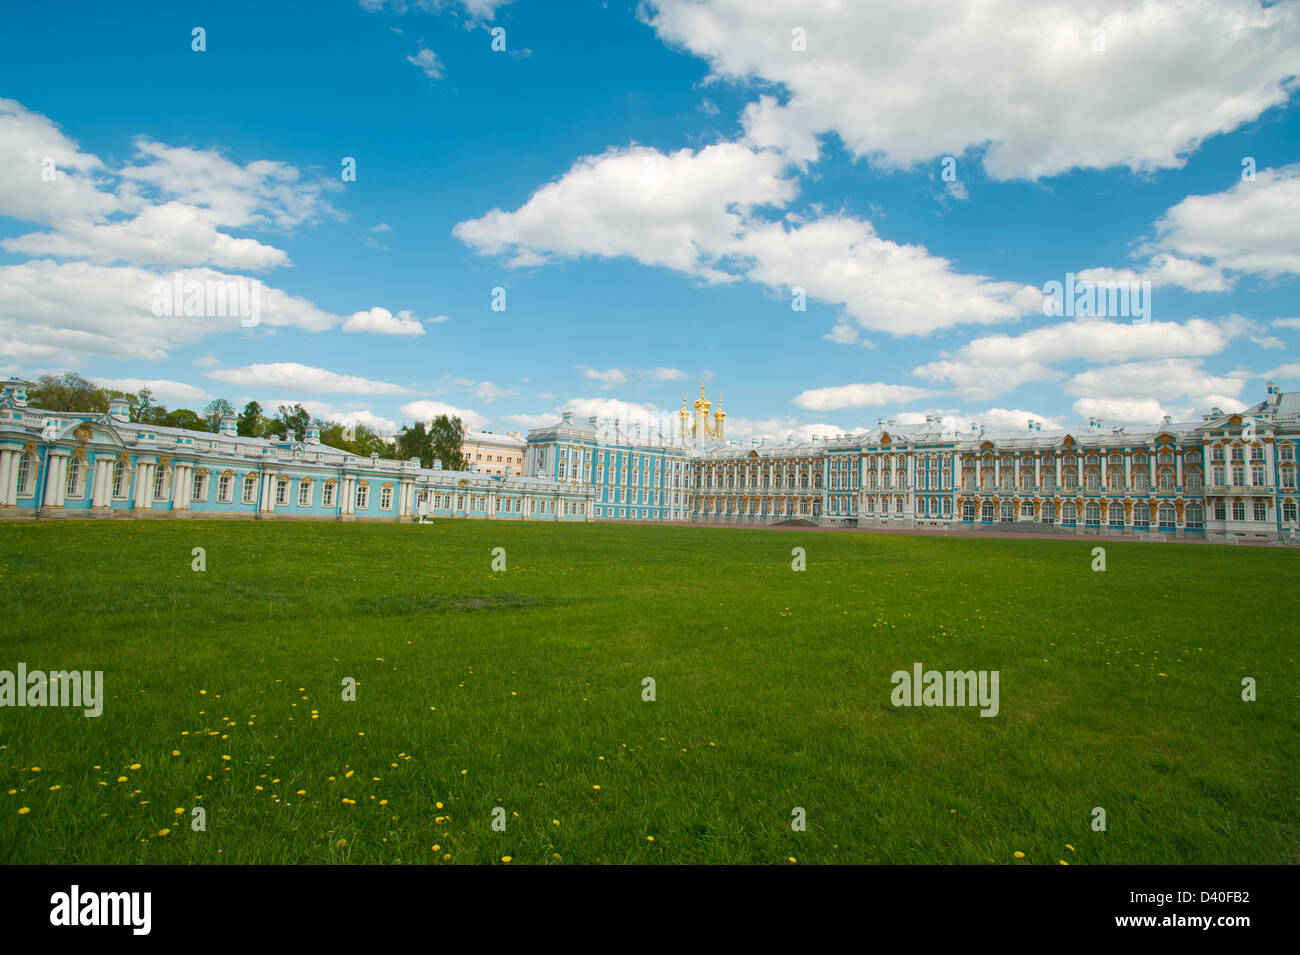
567, 417
1030, 425
313, 434
227, 426
119, 409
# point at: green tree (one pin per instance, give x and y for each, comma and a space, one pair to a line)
357, 439
295, 419
213, 413
70, 392
250, 423
445, 436
185, 418
415, 442
143, 409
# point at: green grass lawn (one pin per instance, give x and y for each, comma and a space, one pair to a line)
523, 690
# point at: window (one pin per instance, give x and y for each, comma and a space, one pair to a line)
327, 494
1115, 480
120, 478
1288, 512
250, 488
1070, 480
1166, 514
1192, 480
363, 495
160, 483
199, 486
1048, 512
1027, 510
1220, 511
1141, 515
1069, 513
1092, 514
386, 497
26, 464
1115, 514
282, 491
1165, 481
1261, 510
304, 493
1092, 480
1238, 510
967, 510
986, 511
76, 483
1195, 517
225, 487
1049, 478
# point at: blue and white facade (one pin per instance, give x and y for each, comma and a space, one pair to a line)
1230, 476
60, 464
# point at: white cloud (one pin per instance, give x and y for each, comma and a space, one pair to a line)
167, 392
532, 420
486, 391
383, 322
428, 63
696, 213
1252, 227
903, 83
858, 396
996, 364
426, 410
1142, 384
27, 139
295, 376
1122, 411
608, 378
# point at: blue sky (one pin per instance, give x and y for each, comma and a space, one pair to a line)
650, 183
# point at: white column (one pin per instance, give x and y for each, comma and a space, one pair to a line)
53, 483
268, 493
100, 482
8, 464
143, 485
182, 478
11, 480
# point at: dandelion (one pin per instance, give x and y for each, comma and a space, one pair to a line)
437, 848
506, 859
341, 844
1020, 855
793, 859
1070, 847
164, 832
597, 788
121, 779
437, 805
179, 812
24, 811
649, 838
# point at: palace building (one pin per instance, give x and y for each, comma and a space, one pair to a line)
1229, 476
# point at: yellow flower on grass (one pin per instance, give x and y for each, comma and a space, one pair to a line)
1062, 861
54, 788
176, 752
437, 848
179, 812
164, 832
596, 788
437, 805
341, 844
227, 758
36, 769
555, 822
1020, 855
121, 779
24, 811
506, 859
133, 767
1070, 847
302, 792
793, 859
649, 838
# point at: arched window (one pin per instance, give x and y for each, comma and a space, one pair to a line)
304, 492
986, 511
282, 491
1196, 516
161, 479
1069, 513
1165, 480
967, 510
1115, 480
1092, 514
1092, 480
1008, 480
76, 483
27, 467
1070, 480
1141, 515
1115, 517
1166, 513
121, 477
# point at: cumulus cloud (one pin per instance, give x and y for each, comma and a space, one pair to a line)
858, 396
428, 63
426, 410
698, 212
383, 322
997, 364
1043, 86
168, 392
292, 375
